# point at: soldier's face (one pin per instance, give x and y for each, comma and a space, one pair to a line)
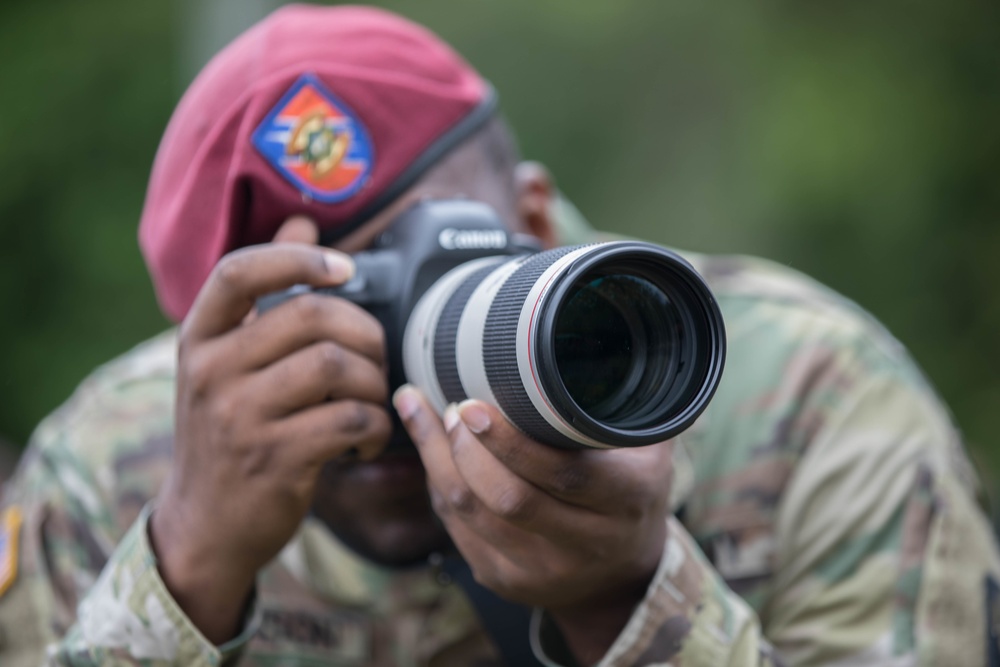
381, 508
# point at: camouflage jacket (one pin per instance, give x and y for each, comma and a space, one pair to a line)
825, 516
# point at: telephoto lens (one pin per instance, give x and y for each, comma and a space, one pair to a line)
617, 344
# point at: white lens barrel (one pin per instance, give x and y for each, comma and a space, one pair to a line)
489, 330
421, 329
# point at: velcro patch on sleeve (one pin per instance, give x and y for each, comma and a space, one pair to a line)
10, 528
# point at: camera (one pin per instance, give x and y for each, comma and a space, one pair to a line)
615, 344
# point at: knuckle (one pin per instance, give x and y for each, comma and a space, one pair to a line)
331, 358
515, 505
226, 414
511, 457
310, 309
355, 418
461, 500
438, 503
571, 478
228, 273
198, 373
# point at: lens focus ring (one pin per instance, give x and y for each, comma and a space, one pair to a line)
500, 349
445, 358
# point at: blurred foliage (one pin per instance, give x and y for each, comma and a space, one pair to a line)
856, 141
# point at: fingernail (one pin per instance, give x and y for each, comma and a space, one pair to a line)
339, 266
451, 417
474, 416
406, 401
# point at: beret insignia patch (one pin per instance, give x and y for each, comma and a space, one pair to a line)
316, 142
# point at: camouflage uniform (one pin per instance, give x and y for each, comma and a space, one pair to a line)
825, 517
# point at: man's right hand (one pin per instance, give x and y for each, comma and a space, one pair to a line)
262, 404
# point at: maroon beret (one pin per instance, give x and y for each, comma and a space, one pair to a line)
331, 112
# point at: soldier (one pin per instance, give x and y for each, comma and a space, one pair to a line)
233, 491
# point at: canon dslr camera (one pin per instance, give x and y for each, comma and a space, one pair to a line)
615, 344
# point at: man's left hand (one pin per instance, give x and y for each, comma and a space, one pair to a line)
579, 533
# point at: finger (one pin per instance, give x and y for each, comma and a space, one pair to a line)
454, 500
244, 275
446, 485
512, 498
324, 432
297, 229
308, 319
320, 372
596, 479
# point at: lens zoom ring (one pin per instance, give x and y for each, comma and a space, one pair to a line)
500, 350
445, 358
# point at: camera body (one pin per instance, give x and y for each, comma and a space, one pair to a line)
425, 242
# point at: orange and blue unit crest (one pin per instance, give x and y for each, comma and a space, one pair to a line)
316, 142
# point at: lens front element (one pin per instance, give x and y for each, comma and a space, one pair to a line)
614, 343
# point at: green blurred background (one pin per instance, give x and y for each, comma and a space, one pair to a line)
856, 141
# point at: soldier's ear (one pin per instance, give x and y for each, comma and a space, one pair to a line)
535, 196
